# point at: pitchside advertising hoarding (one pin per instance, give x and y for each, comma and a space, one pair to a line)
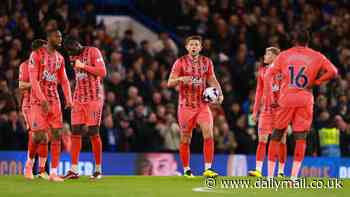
168, 164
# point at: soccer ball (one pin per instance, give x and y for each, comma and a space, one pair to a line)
211, 95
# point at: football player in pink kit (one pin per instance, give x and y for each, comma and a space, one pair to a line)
266, 115
300, 67
192, 73
88, 100
33, 148
46, 71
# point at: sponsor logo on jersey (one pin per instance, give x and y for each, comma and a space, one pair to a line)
197, 80
275, 88
49, 76
81, 75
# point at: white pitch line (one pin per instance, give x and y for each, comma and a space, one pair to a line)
205, 189
202, 189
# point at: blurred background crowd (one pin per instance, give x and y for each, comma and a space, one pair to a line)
140, 111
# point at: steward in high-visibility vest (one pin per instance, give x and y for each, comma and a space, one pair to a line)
329, 142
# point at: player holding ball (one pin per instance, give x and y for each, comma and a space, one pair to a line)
193, 73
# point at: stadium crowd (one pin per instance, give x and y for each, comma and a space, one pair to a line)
140, 111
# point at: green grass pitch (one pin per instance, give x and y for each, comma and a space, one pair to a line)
139, 186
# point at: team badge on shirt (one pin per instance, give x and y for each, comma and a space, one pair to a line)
204, 68
58, 65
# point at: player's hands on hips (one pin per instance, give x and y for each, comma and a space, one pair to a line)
79, 64
45, 106
186, 79
312, 85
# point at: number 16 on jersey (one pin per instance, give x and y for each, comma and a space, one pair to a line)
298, 77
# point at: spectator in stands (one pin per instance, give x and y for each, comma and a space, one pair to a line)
165, 42
170, 132
110, 134
13, 131
127, 134
116, 65
246, 137
225, 140
146, 51
329, 139
129, 46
